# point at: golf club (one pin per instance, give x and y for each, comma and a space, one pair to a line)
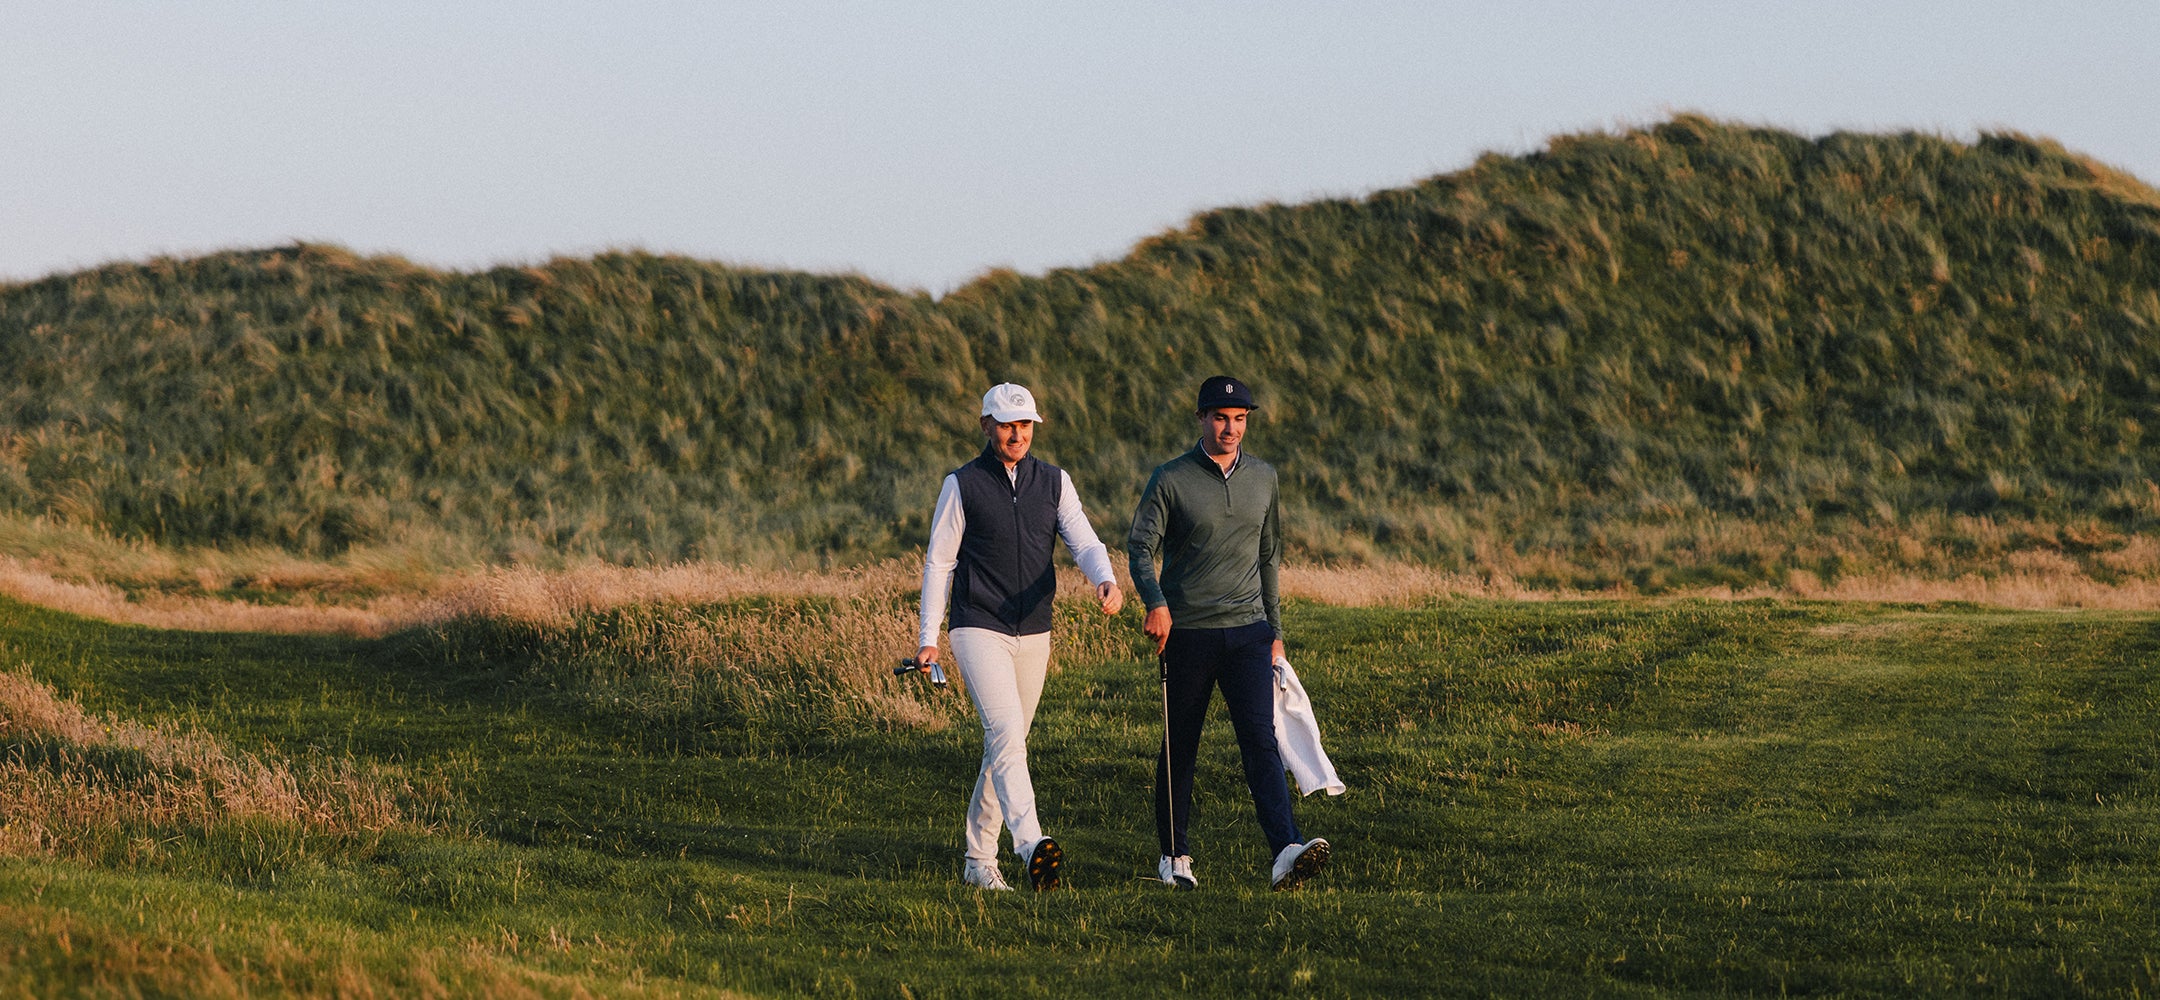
935, 672
1162, 668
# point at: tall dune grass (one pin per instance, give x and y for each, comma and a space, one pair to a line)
1592, 366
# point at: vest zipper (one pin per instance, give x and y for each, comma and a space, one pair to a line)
1018, 542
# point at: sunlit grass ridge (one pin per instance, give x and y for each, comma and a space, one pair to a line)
95, 787
1691, 354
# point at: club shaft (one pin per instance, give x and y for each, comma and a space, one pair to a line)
1162, 666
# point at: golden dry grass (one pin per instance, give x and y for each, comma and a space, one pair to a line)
171, 957
70, 778
2029, 578
2021, 588
1397, 584
365, 617
523, 594
2010, 562
552, 596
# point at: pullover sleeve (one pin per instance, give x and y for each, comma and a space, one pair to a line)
1141, 543
1271, 559
1080, 539
947, 521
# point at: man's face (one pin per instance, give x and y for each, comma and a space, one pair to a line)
1221, 430
1009, 440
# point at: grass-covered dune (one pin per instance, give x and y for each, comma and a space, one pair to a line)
1696, 351
1618, 798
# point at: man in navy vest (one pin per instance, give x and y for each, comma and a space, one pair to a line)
996, 524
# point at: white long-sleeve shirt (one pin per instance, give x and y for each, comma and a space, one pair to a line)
949, 519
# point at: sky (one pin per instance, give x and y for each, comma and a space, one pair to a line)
923, 143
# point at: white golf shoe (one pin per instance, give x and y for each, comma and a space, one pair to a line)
1299, 862
984, 876
1177, 872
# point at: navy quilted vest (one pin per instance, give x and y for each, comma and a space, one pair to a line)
1004, 580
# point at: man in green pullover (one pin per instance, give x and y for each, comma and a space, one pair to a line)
1216, 618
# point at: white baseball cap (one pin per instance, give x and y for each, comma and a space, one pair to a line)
1006, 402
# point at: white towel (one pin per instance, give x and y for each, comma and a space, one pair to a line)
1297, 735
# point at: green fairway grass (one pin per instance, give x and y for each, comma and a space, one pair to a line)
1566, 798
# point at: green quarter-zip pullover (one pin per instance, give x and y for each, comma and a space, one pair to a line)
1220, 539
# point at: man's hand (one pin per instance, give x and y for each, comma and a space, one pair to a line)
1157, 627
926, 655
1275, 652
1111, 597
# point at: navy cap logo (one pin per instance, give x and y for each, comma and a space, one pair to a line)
1222, 392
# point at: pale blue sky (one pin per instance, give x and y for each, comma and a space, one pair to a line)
922, 143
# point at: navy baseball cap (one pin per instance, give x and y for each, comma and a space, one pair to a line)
1221, 391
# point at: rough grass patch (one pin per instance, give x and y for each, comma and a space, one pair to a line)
75, 783
790, 665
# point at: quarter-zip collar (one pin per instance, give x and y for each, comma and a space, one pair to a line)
1199, 451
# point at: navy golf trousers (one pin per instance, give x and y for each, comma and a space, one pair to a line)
1238, 660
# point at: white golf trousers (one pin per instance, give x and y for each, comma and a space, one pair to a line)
1004, 675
